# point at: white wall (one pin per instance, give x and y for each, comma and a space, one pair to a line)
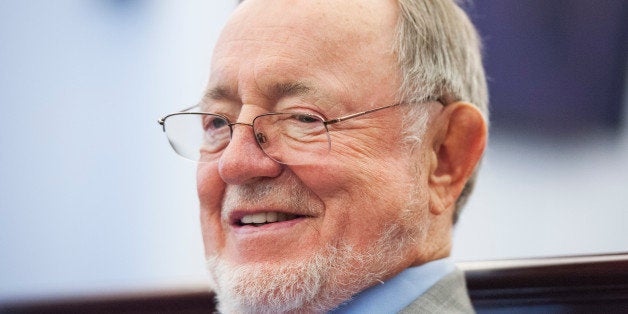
91, 197
548, 197
93, 200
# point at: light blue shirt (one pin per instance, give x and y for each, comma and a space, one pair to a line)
399, 291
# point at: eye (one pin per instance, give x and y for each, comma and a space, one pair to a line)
305, 118
214, 123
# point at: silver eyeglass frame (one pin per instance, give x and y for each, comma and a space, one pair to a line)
327, 122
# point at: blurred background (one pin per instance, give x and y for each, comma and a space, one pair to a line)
93, 200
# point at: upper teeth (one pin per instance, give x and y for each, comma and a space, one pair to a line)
261, 218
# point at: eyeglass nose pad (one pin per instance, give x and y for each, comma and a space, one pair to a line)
261, 138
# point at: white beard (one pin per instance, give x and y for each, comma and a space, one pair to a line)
314, 285
326, 278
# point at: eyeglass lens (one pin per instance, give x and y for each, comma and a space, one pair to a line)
288, 138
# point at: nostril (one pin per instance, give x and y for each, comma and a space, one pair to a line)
243, 159
261, 138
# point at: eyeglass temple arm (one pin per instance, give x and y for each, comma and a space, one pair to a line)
162, 119
336, 120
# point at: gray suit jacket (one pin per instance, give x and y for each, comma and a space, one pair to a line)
449, 295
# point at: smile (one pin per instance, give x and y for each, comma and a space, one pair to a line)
263, 218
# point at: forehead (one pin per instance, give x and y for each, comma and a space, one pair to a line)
325, 20
303, 41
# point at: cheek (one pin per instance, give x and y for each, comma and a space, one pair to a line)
364, 195
359, 174
210, 190
360, 197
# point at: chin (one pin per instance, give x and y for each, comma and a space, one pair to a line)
313, 284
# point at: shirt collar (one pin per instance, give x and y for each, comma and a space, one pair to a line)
399, 291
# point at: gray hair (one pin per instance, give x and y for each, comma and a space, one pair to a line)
439, 53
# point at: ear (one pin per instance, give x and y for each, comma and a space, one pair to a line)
456, 149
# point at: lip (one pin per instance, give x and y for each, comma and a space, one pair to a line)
234, 219
271, 227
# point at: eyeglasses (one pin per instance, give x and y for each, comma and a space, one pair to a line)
291, 138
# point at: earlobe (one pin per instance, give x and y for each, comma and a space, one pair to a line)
457, 149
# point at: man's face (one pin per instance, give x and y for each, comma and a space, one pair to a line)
365, 197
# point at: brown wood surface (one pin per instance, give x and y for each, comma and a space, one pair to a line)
576, 284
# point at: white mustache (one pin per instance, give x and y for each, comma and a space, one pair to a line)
290, 195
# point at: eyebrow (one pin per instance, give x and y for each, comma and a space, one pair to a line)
218, 93
276, 91
286, 89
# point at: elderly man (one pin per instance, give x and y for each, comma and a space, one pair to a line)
336, 141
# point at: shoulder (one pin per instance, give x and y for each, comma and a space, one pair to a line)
449, 295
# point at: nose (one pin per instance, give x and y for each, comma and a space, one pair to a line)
243, 160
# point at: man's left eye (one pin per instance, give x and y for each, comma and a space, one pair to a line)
305, 118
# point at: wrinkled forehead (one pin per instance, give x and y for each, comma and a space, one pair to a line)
312, 26
321, 19
339, 48
351, 17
